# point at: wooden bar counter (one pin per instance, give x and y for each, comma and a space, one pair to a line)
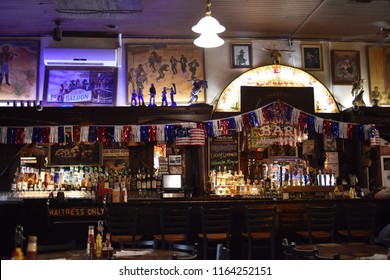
69, 220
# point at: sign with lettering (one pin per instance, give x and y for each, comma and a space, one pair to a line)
223, 151
272, 133
77, 212
78, 95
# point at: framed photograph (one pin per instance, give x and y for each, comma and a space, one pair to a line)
311, 57
163, 160
330, 143
19, 69
385, 170
163, 168
74, 154
87, 86
175, 169
345, 67
171, 68
241, 55
379, 74
174, 160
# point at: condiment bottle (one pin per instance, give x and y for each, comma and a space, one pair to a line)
32, 248
91, 242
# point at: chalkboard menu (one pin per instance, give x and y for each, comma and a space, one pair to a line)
224, 152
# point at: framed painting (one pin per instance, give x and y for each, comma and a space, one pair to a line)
172, 69
345, 67
311, 57
241, 55
75, 154
19, 69
87, 86
379, 74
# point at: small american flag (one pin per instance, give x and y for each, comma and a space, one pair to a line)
194, 137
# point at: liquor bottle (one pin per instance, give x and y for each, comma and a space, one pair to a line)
139, 179
32, 248
154, 181
148, 181
124, 194
143, 179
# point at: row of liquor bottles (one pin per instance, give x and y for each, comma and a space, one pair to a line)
89, 178
273, 175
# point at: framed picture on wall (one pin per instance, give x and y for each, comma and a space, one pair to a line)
19, 74
174, 67
311, 57
345, 67
241, 55
174, 160
379, 73
87, 86
75, 154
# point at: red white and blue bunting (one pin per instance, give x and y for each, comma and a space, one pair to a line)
191, 133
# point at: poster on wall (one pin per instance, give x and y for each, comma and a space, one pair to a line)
19, 70
173, 70
379, 73
80, 86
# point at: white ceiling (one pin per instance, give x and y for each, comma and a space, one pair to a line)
334, 20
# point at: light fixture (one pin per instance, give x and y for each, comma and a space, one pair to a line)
57, 31
208, 27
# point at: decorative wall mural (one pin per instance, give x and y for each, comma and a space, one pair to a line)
175, 67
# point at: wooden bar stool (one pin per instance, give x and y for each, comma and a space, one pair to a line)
360, 223
216, 228
321, 224
174, 226
122, 224
260, 230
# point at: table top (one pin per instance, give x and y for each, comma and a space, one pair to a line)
347, 251
135, 254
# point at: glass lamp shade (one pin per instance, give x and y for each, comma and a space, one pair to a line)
208, 24
208, 40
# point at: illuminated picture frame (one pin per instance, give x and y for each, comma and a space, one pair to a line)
21, 81
241, 55
311, 57
83, 86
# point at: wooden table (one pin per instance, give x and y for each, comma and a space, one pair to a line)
347, 251
137, 254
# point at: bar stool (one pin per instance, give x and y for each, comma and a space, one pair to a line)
122, 224
260, 230
321, 224
174, 226
360, 222
216, 228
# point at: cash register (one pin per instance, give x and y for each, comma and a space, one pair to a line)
172, 186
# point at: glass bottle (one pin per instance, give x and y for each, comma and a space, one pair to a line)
32, 248
99, 246
91, 243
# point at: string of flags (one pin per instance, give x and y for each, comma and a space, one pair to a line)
190, 133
